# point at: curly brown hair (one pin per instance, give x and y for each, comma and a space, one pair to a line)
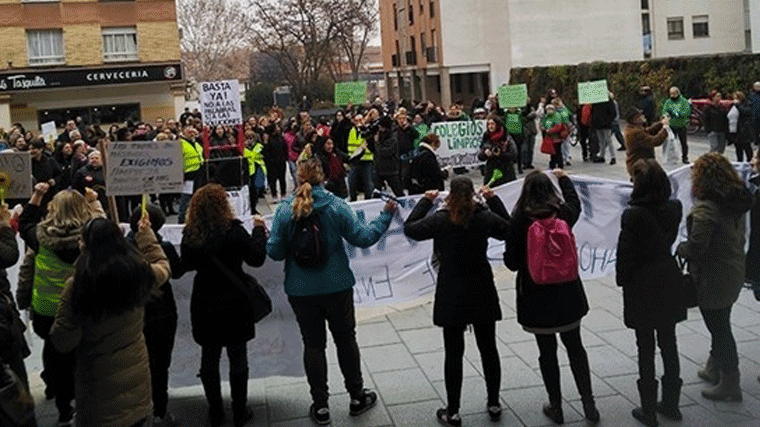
208, 216
713, 177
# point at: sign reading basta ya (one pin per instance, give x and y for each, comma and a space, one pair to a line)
220, 103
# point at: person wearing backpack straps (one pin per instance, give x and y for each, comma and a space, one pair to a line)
465, 291
550, 308
323, 291
652, 286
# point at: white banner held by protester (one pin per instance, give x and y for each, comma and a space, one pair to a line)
220, 103
460, 142
141, 167
16, 175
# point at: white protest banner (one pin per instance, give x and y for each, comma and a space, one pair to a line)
16, 175
220, 103
142, 167
460, 142
49, 132
593, 92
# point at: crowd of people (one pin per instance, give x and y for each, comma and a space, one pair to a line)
103, 304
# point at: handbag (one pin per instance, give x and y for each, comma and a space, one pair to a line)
547, 145
689, 285
257, 296
16, 404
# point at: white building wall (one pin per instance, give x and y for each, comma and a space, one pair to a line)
558, 32
725, 20
754, 22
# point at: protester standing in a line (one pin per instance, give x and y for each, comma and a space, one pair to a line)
616, 124
716, 123
325, 294
333, 164
100, 320
465, 291
646, 104
715, 252
678, 109
215, 244
754, 101
602, 117
742, 138
553, 129
387, 159
275, 159
752, 271
361, 175
425, 172
528, 116
548, 310
499, 152
652, 286
642, 140
192, 160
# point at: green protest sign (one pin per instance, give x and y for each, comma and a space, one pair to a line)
513, 96
350, 93
593, 92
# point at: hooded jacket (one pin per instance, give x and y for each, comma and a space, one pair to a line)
640, 143
339, 222
715, 247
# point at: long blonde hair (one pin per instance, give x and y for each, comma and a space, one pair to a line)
68, 210
309, 174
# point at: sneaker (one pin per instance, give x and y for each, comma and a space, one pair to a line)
366, 400
321, 416
450, 420
167, 420
66, 419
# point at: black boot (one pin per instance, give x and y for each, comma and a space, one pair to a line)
550, 374
582, 375
241, 413
671, 393
212, 386
646, 413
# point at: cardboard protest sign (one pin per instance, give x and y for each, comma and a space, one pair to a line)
16, 175
220, 103
140, 167
513, 96
460, 142
350, 93
49, 132
593, 92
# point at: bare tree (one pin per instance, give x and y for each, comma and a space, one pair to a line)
357, 26
215, 38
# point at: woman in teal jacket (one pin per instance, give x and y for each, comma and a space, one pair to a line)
325, 293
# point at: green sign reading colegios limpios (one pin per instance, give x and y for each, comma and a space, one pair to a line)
460, 141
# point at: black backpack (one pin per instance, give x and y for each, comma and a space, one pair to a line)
307, 245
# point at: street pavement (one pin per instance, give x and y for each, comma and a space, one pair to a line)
402, 359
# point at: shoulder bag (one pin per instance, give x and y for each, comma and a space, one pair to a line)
257, 296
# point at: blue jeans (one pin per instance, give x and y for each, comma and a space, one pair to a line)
528, 145
364, 172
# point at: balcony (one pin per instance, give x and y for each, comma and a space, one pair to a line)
431, 54
411, 57
395, 61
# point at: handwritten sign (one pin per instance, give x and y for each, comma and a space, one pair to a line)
220, 103
460, 142
513, 96
593, 92
49, 132
139, 167
17, 169
350, 93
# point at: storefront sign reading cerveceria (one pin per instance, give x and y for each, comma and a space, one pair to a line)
11, 81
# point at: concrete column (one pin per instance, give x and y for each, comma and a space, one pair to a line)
5, 112
415, 86
178, 92
445, 87
388, 87
400, 87
423, 86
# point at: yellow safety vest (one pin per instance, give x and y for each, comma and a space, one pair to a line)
255, 158
50, 276
354, 142
192, 153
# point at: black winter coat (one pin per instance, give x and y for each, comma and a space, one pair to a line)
752, 269
716, 119
387, 160
602, 115
220, 313
275, 152
465, 292
545, 306
646, 268
504, 161
405, 138
339, 133
425, 173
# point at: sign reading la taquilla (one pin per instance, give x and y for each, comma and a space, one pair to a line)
13, 81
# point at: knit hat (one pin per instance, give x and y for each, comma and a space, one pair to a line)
632, 114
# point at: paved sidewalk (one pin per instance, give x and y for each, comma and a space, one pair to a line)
402, 355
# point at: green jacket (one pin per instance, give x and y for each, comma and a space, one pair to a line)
422, 130
255, 159
551, 120
339, 222
679, 112
50, 275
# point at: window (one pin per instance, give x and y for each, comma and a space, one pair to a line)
120, 44
411, 13
699, 26
644, 4
422, 7
412, 44
433, 41
45, 47
395, 17
457, 83
423, 43
98, 114
675, 28
432, 9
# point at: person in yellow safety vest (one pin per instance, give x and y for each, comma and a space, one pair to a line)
257, 170
192, 160
362, 165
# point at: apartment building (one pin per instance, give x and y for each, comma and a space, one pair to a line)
105, 61
449, 50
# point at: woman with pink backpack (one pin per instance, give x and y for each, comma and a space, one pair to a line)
550, 296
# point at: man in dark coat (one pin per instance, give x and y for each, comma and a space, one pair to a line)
602, 116
646, 104
425, 173
387, 160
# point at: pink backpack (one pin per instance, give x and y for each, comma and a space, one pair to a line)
552, 254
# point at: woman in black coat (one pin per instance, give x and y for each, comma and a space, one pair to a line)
465, 292
220, 312
340, 130
651, 281
752, 270
499, 152
425, 173
545, 310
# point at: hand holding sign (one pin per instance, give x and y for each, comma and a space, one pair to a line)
593, 92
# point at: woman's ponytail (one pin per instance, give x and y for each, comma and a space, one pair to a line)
303, 202
309, 174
